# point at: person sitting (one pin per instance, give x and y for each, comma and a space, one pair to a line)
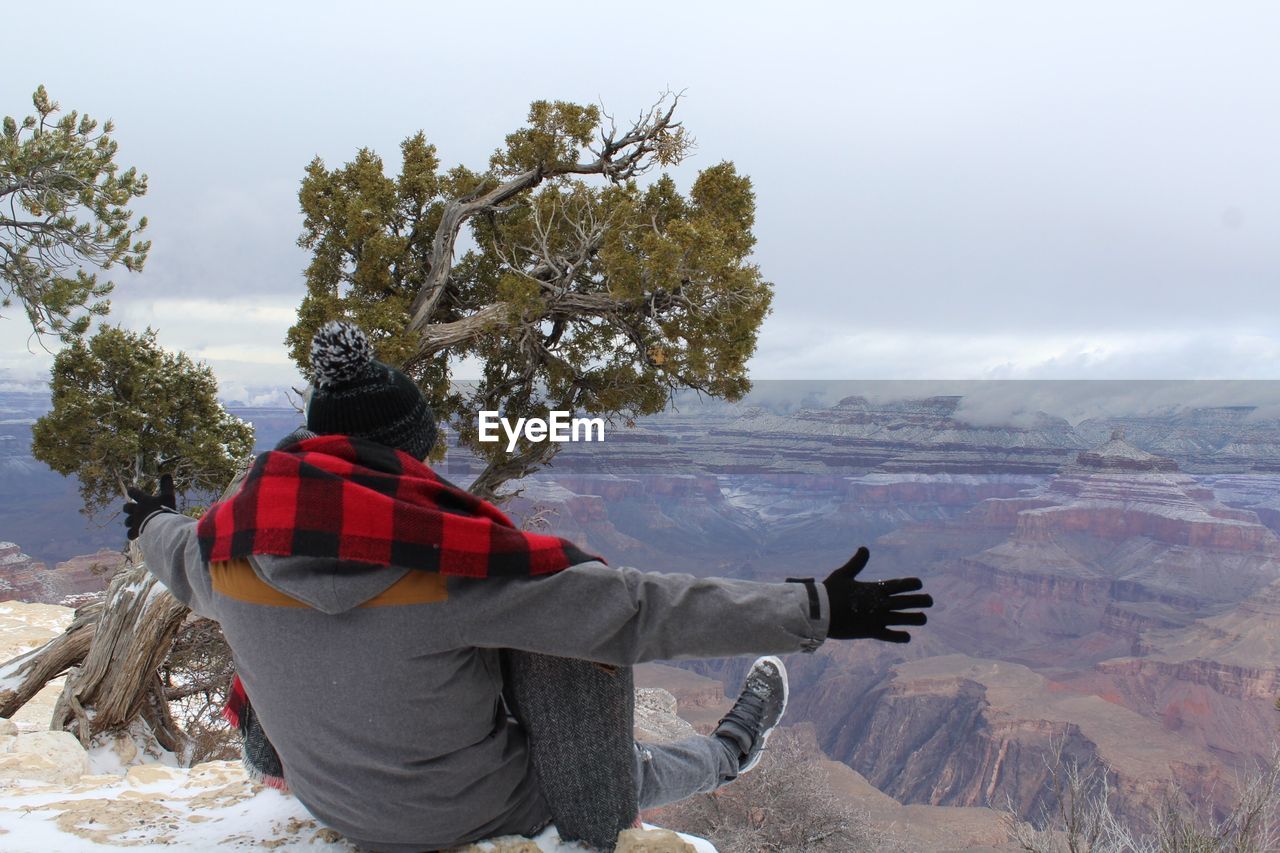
368, 602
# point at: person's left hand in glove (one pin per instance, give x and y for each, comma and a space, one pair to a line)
867, 609
139, 510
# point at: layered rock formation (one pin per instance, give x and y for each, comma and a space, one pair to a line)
958, 730
1117, 491
1257, 492
1118, 542
667, 523
1099, 563
1214, 681
1140, 604
858, 436
25, 579
725, 489
1205, 439
702, 702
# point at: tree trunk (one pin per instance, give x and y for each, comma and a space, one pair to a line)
22, 677
118, 679
112, 654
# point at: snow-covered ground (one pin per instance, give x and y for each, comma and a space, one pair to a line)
55, 796
210, 806
24, 627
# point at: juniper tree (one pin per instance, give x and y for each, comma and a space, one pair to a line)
63, 207
587, 288
125, 410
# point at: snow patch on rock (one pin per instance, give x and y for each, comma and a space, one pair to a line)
123, 792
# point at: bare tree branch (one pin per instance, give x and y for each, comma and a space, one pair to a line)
653, 138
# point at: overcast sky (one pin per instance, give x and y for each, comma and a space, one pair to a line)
944, 190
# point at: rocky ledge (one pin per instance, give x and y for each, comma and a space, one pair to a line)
126, 793
49, 801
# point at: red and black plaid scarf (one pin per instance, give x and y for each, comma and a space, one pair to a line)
349, 499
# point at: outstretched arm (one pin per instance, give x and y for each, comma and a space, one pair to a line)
622, 616
169, 545
172, 554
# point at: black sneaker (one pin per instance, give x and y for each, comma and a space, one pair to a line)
757, 711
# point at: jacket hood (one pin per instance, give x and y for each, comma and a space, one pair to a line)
328, 585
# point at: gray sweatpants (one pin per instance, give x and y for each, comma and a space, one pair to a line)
669, 772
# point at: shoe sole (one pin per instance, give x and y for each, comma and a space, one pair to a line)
786, 697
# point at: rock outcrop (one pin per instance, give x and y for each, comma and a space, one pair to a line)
957, 730
1258, 493
699, 700
911, 827
56, 796
1114, 605
1116, 491
23, 578
1213, 682
1129, 572
1119, 542
50, 757
1204, 440
656, 719
24, 627
49, 802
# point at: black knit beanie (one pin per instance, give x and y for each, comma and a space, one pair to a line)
352, 393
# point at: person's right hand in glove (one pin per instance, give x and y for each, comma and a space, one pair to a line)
867, 608
142, 506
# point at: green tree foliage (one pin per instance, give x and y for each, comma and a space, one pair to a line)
586, 289
125, 411
63, 206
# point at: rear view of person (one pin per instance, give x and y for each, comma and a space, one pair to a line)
367, 603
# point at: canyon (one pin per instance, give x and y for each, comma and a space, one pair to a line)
1093, 595
1109, 588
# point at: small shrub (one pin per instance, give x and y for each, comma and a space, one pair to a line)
784, 804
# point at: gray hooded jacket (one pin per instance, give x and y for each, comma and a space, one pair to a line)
380, 686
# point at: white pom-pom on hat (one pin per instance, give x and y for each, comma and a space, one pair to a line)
354, 394
339, 352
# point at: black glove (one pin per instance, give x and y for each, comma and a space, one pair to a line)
866, 609
143, 505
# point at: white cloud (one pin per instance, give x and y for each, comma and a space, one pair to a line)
999, 190
258, 313
794, 350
